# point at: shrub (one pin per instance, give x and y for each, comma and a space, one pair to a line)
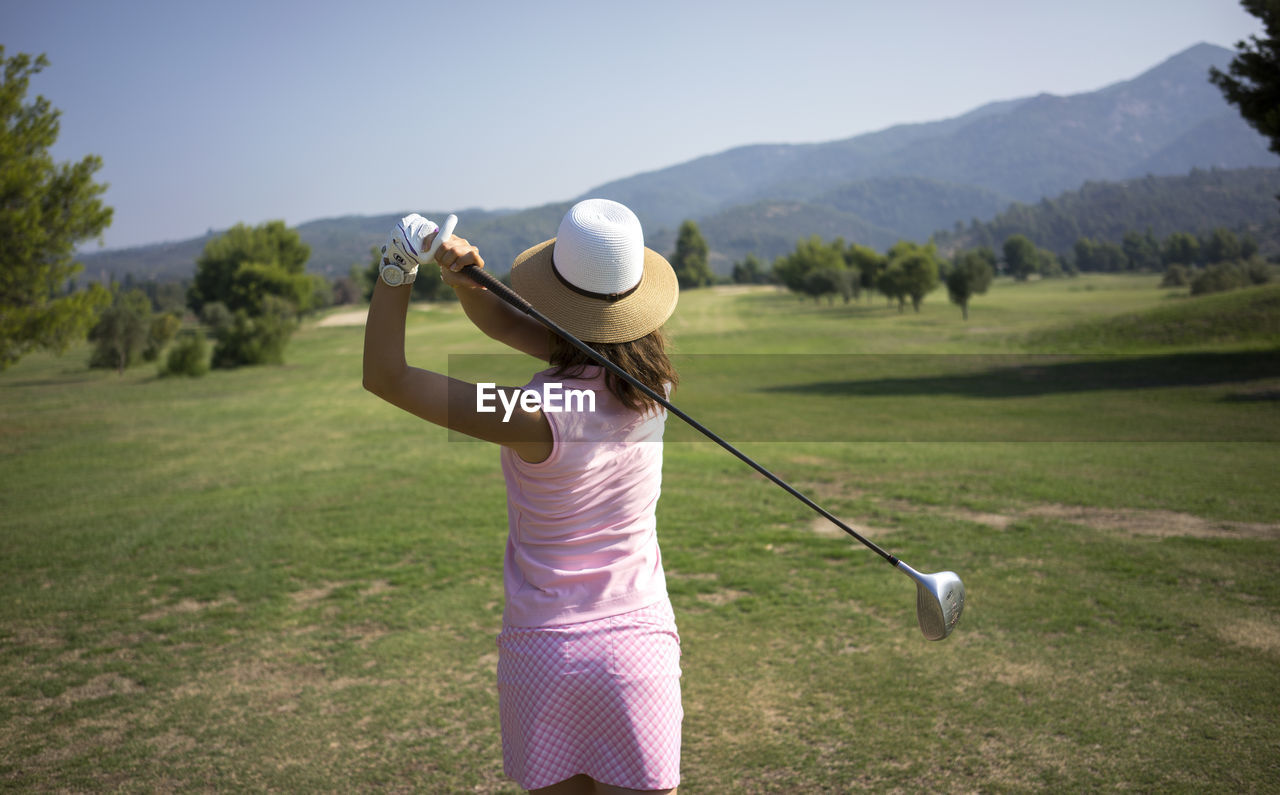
255, 339
163, 329
188, 356
1176, 276
1225, 276
121, 330
1259, 272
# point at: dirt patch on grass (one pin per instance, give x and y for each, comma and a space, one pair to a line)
184, 607
1014, 674
1252, 633
721, 597
101, 686
377, 588
997, 520
309, 596
171, 743
1133, 521
821, 526
33, 638
1154, 522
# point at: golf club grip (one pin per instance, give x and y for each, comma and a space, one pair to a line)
491, 283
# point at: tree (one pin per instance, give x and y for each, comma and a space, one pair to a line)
250, 285
690, 258
867, 262
919, 276
428, 286
346, 290
1222, 245
121, 330
245, 264
1180, 248
1095, 255
891, 283
848, 283
970, 275
917, 267
1047, 264
811, 254
1253, 84
820, 282
1141, 251
1020, 257
750, 271
46, 209
368, 278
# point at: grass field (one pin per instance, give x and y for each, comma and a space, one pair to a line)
266, 579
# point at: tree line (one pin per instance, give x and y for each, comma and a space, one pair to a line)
909, 271
1241, 200
906, 273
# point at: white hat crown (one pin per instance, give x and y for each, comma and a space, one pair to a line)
599, 247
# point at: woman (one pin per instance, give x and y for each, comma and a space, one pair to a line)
588, 669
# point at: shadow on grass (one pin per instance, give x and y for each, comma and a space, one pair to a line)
1031, 376
1260, 396
37, 382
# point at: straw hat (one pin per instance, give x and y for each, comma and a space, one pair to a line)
596, 278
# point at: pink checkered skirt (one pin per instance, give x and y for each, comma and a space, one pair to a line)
599, 697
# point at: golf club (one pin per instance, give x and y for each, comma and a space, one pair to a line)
939, 597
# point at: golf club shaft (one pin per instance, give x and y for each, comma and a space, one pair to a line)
488, 281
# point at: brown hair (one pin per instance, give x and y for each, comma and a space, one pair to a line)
644, 359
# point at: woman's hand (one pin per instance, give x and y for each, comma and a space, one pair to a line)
454, 255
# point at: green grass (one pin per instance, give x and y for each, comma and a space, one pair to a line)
268, 580
1231, 318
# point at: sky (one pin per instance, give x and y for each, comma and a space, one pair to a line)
208, 114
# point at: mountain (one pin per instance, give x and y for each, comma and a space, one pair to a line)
337, 243
1167, 120
1242, 200
875, 212
875, 188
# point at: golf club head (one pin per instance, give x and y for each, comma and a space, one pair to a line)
939, 601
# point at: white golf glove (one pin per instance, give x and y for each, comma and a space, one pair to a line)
404, 248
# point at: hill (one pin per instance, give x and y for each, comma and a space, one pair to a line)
1243, 200
337, 243
875, 212
902, 182
1249, 316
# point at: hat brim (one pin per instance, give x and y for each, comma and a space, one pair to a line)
597, 319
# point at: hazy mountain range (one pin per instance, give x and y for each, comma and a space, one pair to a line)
907, 181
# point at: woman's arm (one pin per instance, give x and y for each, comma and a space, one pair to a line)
499, 320
495, 317
432, 396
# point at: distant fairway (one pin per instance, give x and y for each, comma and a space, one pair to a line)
268, 579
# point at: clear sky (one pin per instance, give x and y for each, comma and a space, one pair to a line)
211, 113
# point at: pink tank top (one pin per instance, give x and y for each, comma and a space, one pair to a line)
582, 539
